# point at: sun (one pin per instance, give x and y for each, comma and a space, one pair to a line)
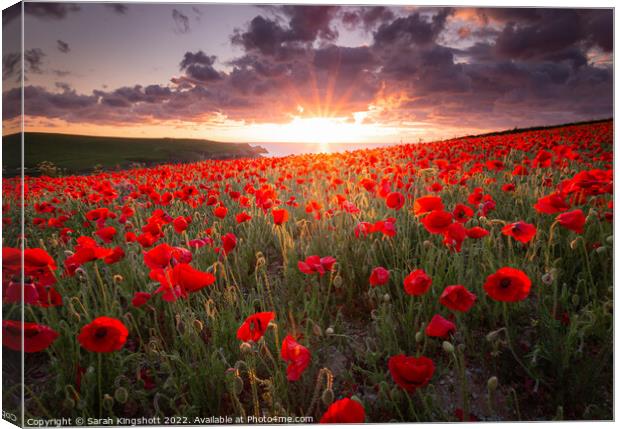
321, 130
316, 130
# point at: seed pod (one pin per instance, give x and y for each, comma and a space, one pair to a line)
118, 278
575, 299
419, 336
121, 395
610, 239
547, 278
386, 298
492, 384
329, 331
327, 397
600, 250
198, 325
448, 347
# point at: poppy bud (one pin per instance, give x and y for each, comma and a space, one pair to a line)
237, 385
386, 298
121, 395
327, 397
329, 331
427, 243
357, 399
601, 249
448, 347
610, 239
492, 384
575, 243
338, 281
198, 325
419, 336
108, 402
316, 330
396, 393
118, 278
245, 348
575, 299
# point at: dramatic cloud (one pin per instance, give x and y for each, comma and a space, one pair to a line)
476, 68
63, 46
366, 17
199, 67
181, 21
34, 60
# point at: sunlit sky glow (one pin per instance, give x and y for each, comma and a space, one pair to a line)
249, 73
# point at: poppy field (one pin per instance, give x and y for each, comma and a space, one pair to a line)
461, 280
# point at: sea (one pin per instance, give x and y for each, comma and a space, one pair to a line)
285, 149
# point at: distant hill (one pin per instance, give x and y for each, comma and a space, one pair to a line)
80, 154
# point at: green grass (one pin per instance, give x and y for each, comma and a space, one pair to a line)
78, 154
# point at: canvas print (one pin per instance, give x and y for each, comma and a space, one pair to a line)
223, 213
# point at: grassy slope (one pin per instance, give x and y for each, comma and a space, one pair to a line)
77, 153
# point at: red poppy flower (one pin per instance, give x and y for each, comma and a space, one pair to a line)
345, 410
551, 204
462, 213
279, 216
255, 326
229, 242
314, 264
573, 220
417, 283
411, 373
437, 221
164, 255
508, 285
180, 223
106, 234
37, 263
477, 232
395, 200
427, 204
379, 276
454, 236
190, 279
440, 327
508, 187
220, 212
116, 255
457, 298
297, 356
36, 337
243, 217
103, 335
520, 231
140, 298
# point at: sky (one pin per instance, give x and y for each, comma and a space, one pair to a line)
256, 73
